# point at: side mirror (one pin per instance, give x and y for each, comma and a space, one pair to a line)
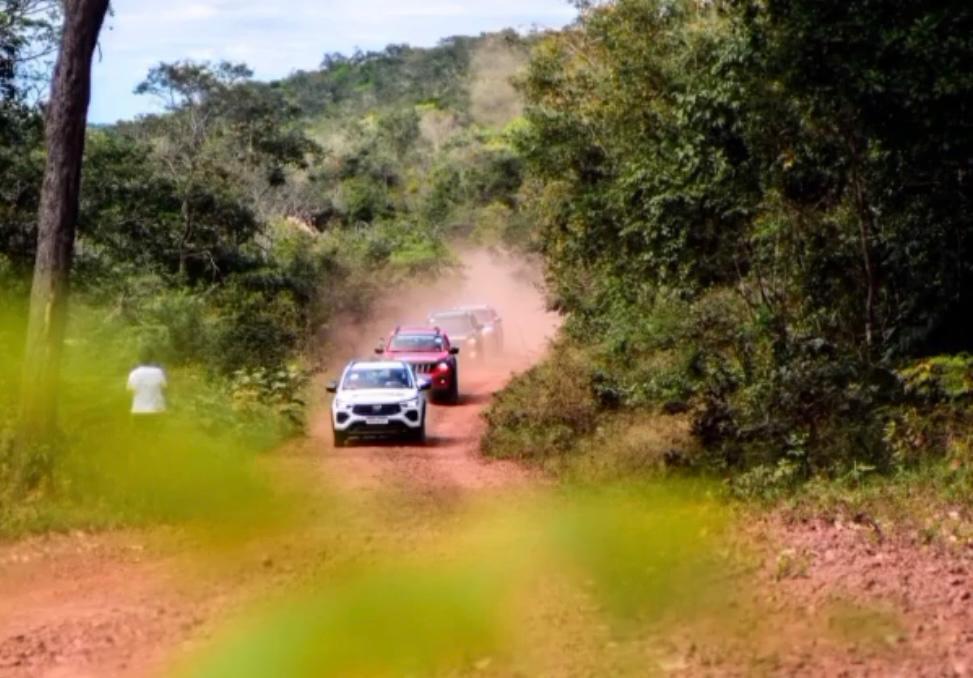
424, 385
332, 387
379, 350
454, 350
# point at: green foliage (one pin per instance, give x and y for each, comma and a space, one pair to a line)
947, 377
399, 72
543, 411
363, 200
282, 390
934, 421
633, 556
756, 212
193, 464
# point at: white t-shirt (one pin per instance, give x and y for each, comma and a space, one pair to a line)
148, 384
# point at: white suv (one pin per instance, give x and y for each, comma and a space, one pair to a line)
378, 398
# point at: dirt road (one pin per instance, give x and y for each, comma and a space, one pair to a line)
122, 604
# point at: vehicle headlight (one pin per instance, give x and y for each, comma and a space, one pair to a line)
411, 404
487, 330
443, 365
340, 404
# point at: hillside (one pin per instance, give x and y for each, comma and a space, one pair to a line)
414, 133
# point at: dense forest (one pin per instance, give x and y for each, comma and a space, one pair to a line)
756, 216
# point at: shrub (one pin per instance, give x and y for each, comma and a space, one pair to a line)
281, 390
543, 412
935, 422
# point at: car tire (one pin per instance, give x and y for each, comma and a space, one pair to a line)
340, 438
453, 396
418, 436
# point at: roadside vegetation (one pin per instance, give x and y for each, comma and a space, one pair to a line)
756, 221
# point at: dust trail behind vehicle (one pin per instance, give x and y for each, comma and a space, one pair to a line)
449, 464
509, 283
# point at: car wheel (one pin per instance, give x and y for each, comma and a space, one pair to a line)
419, 435
453, 396
340, 438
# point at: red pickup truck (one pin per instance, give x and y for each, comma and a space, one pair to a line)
431, 355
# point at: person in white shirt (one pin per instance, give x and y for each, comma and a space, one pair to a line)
147, 382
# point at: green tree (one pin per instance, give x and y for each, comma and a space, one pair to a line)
224, 144
28, 38
791, 175
190, 92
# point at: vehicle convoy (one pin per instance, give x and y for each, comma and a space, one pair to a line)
464, 330
491, 325
430, 353
378, 398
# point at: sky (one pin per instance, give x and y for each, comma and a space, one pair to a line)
277, 38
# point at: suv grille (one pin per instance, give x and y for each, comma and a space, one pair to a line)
376, 410
424, 368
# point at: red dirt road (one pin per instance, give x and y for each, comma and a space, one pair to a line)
448, 464
120, 604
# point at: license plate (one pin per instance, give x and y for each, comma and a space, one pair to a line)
376, 421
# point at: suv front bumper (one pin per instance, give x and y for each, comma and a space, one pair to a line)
347, 420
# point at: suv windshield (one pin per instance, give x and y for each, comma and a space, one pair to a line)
377, 377
455, 324
417, 342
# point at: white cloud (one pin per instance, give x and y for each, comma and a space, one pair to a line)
276, 38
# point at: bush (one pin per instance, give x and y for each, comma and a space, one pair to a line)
213, 425
543, 412
281, 390
256, 330
936, 421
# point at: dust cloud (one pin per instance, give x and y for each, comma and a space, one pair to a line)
493, 98
511, 284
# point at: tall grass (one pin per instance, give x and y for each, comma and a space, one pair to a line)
193, 464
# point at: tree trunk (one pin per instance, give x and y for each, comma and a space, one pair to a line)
866, 232
866, 229
187, 232
57, 217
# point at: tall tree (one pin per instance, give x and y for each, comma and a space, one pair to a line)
190, 92
57, 217
27, 38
